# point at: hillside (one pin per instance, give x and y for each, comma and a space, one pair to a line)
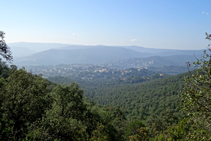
39, 47
32, 108
36, 47
95, 55
139, 100
115, 56
88, 72
152, 61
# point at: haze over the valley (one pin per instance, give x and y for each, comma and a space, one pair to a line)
105, 70
115, 34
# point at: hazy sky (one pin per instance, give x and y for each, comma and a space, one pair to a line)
175, 24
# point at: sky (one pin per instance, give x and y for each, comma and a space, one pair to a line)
169, 24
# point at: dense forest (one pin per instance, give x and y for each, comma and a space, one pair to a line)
139, 98
158, 108
33, 108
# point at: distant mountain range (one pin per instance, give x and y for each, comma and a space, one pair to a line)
21, 52
115, 56
36, 47
94, 55
152, 61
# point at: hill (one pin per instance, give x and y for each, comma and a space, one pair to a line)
94, 55
164, 52
139, 100
54, 54
152, 61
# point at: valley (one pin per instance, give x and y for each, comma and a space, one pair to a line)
141, 83
107, 70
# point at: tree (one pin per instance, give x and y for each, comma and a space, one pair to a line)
69, 101
4, 49
65, 119
23, 102
133, 127
196, 95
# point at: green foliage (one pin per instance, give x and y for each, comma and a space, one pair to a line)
99, 134
68, 101
4, 69
23, 102
185, 130
35, 109
138, 99
196, 97
142, 135
4, 49
32, 108
133, 127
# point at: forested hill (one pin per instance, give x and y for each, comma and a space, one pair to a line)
32, 108
139, 100
144, 99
